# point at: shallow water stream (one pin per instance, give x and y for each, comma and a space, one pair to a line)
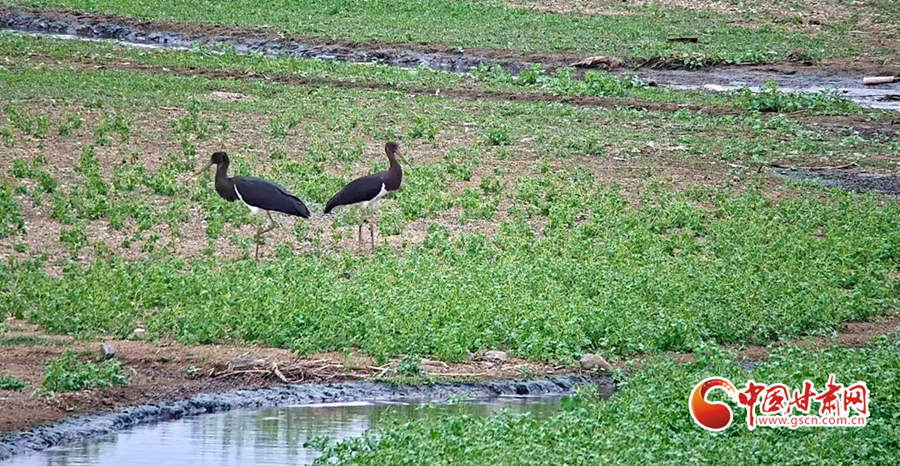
272, 436
885, 96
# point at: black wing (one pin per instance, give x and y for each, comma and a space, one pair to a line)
267, 195
360, 189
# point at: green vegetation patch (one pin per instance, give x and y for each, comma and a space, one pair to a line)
676, 270
11, 221
68, 373
648, 422
8, 382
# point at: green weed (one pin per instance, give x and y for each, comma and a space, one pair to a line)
424, 129
499, 135
674, 270
74, 238
11, 221
33, 169
411, 366
770, 99
642, 33
34, 126
8, 382
68, 373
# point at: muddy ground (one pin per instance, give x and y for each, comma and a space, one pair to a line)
788, 76
169, 34
80, 428
161, 371
843, 179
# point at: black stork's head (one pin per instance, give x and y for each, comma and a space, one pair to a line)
392, 149
218, 159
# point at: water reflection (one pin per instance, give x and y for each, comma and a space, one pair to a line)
272, 436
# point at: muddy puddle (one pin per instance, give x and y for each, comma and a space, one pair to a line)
301, 411
267, 436
847, 180
134, 36
882, 96
188, 37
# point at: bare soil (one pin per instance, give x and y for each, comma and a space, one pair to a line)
852, 335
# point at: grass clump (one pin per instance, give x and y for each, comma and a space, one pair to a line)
411, 366
33, 169
68, 373
11, 221
648, 422
8, 382
770, 99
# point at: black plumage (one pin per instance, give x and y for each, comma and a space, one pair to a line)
257, 194
367, 191
268, 196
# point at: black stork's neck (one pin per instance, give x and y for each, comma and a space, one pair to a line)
224, 184
395, 172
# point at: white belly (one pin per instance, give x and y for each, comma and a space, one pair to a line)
373, 203
253, 210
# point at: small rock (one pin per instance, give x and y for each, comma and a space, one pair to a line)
138, 332
496, 356
243, 363
592, 361
107, 351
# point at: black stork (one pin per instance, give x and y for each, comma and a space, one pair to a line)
367, 191
257, 194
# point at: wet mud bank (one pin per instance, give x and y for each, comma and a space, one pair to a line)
859, 182
189, 36
721, 79
81, 428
